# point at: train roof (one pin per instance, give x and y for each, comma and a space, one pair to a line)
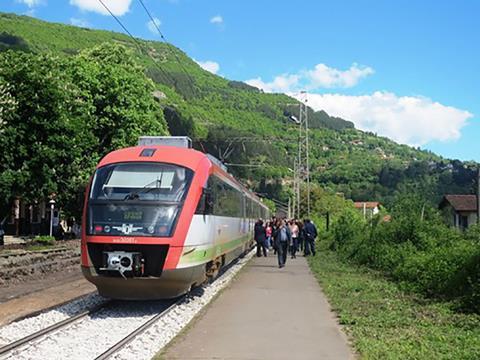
188, 158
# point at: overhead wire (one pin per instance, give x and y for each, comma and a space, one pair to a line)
174, 53
139, 45
136, 42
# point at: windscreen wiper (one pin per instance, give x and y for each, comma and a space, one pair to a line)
134, 195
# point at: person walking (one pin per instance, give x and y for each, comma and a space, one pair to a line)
282, 238
268, 233
260, 237
274, 224
294, 242
309, 233
300, 235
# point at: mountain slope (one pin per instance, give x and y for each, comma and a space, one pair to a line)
232, 118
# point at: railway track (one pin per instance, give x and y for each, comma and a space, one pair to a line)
29, 252
15, 348
38, 334
127, 339
135, 327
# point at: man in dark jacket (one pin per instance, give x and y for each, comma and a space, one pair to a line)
282, 237
260, 237
309, 234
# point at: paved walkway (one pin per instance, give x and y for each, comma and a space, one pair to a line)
266, 313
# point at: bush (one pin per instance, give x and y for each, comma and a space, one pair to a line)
416, 249
349, 228
44, 240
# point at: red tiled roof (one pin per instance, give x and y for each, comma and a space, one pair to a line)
368, 204
461, 202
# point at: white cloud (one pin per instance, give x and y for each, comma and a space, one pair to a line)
117, 7
321, 76
281, 83
152, 25
31, 3
80, 22
218, 19
209, 65
327, 77
412, 120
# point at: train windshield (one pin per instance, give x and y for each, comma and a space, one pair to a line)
137, 199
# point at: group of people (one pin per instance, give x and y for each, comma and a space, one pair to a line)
285, 237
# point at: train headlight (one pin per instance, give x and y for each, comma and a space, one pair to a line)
106, 228
151, 229
125, 262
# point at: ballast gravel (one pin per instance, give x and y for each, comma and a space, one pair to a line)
89, 337
22, 328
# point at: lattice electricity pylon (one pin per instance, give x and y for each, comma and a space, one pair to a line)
296, 191
303, 157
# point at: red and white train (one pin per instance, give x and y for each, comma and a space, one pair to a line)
158, 220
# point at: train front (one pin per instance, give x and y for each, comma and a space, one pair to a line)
137, 213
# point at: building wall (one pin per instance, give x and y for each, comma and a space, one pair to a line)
472, 219
28, 219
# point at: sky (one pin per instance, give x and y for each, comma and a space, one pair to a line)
408, 70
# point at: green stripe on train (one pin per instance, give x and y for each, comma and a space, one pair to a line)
203, 254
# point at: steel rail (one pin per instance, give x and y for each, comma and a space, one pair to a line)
20, 342
142, 328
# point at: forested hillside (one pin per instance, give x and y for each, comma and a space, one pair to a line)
232, 120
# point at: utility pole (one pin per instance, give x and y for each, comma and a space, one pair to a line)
295, 186
478, 196
303, 161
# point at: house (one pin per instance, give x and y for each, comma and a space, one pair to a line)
29, 219
368, 208
459, 211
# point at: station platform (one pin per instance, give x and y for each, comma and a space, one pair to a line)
266, 313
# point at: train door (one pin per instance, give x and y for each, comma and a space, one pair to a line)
219, 225
209, 218
244, 226
203, 222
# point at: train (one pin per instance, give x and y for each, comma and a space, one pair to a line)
160, 218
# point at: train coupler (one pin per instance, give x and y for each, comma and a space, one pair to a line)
125, 263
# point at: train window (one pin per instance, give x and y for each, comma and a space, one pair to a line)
250, 209
141, 199
227, 199
141, 181
206, 201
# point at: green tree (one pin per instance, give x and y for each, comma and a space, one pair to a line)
39, 151
119, 97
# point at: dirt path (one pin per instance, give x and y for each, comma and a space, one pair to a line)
20, 300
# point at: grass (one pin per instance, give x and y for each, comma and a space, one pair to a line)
40, 247
384, 322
